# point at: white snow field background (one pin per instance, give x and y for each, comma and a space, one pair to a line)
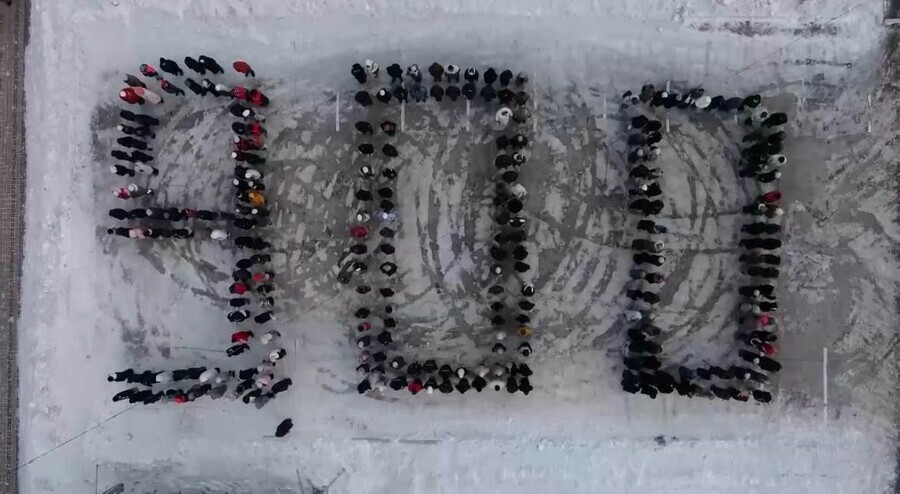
92, 304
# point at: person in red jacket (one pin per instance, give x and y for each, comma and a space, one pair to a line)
129, 96
247, 144
240, 92
359, 231
770, 197
258, 98
150, 71
171, 88
415, 386
255, 128
242, 336
238, 288
243, 67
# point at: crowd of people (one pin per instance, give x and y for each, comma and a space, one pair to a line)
380, 366
252, 288
747, 376
412, 85
254, 384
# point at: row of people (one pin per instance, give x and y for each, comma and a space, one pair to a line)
641, 372
374, 342
510, 317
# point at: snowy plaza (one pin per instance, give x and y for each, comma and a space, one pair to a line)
93, 303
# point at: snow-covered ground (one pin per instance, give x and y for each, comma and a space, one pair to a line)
93, 304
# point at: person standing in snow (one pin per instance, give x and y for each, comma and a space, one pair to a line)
436, 71
144, 120
358, 73
210, 64
150, 71
503, 116
171, 88
122, 171
134, 81
148, 95
131, 142
195, 65
170, 66
243, 67
130, 96
237, 349
372, 68
396, 72
136, 131
413, 73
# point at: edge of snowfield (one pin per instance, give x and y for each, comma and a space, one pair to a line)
576, 433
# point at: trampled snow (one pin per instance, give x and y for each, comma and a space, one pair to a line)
94, 304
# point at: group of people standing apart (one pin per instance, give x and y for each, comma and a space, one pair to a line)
760, 159
375, 317
186, 385
252, 277
510, 291
411, 85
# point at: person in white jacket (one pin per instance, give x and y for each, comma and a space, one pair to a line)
502, 117
209, 374
269, 337
148, 95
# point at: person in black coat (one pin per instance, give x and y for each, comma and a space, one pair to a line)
769, 177
195, 65
775, 119
363, 98
762, 272
140, 157
490, 76
754, 258
760, 228
144, 120
170, 66
650, 227
760, 243
131, 142
383, 95
453, 93
210, 64
649, 390
488, 93
364, 127
437, 92
768, 364
390, 151
395, 71
468, 90
359, 73
195, 87
761, 396
401, 94
437, 71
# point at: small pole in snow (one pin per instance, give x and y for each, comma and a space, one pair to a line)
402, 116
868, 127
468, 108
668, 86
825, 384
800, 100
667, 126
337, 113
534, 103
869, 100
604, 107
96, 478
